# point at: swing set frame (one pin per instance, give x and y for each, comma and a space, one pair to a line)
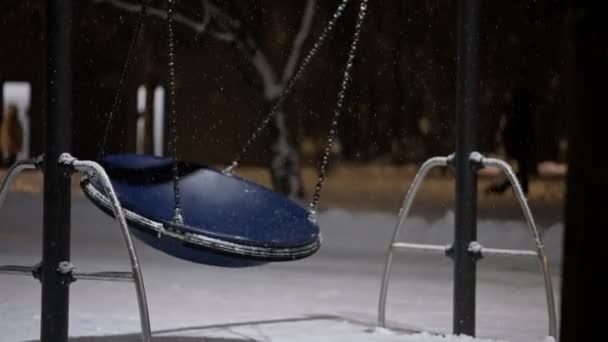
56, 272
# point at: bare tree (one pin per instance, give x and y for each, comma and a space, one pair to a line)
225, 23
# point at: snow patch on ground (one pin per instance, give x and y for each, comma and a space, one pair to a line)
331, 296
302, 331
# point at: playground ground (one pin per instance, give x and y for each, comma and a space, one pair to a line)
330, 296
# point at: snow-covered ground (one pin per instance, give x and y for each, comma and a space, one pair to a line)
331, 296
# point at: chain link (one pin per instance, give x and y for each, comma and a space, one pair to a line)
333, 131
288, 88
125, 69
177, 212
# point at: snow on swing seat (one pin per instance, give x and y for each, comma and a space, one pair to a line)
227, 221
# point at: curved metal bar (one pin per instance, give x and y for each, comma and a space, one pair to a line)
421, 247
18, 269
97, 170
403, 212
508, 252
103, 276
542, 257
15, 169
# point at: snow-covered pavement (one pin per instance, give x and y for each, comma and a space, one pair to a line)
331, 296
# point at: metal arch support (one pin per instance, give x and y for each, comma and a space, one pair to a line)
477, 160
540, 248
96, 170
9, 179
403, 212
15, 169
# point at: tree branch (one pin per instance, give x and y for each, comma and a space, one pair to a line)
231, 29
303, 32
199, 28
285, 163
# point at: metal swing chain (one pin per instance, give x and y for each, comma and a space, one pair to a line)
289, 87
346, 80
177, 210
125, 69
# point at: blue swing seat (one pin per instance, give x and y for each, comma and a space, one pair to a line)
228, 221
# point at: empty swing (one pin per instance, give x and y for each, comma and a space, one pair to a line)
209, 216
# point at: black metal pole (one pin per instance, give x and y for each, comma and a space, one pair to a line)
466, 179
584, 303
56, 235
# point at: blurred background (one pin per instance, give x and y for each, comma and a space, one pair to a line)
233, 59
542, 70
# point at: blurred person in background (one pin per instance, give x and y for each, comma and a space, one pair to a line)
11, 135
517, 137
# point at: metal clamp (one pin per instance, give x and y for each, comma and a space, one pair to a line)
475, 250
66, 270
